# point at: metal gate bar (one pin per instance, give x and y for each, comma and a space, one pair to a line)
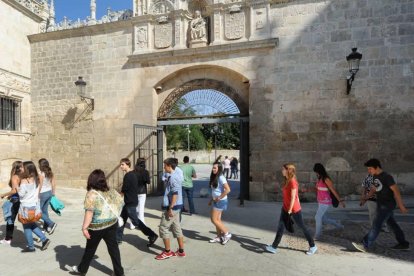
147, 146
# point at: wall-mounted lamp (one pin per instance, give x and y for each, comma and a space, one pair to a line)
353, 61
81, 85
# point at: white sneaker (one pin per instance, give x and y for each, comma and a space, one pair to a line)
6, 242
215, 240
132, 227
312, 250
225, 239
75, 269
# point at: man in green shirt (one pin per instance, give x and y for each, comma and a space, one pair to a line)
188, 189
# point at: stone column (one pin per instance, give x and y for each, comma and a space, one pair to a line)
217, 25
180, 34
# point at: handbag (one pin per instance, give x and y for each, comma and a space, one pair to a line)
288, 221
29, 214
120, 220
335, 202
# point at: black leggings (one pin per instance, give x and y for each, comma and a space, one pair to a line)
297, 217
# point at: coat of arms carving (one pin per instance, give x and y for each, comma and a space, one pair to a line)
163, 35
234, 24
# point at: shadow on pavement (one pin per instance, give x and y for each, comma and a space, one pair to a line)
140, 243
70, 256
190, 234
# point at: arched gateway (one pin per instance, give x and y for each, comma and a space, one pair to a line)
224, 92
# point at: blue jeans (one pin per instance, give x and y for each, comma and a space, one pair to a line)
131, 213
29, 229
44, 205
384, 214
322, 218
189, 193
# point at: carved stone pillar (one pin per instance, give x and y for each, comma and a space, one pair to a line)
179, 29
217, 25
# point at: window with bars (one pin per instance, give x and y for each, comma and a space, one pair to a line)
9, 114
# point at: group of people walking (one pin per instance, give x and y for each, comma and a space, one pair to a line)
28, 200
382, 190
107, 210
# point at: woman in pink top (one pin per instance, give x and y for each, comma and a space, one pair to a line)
323, 186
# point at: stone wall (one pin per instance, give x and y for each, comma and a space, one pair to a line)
16, 23
296, 93
303, 114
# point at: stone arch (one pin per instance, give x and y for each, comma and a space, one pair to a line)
227, 81
199, 84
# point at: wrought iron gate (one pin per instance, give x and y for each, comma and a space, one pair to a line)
148, 144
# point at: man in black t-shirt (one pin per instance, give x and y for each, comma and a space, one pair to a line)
388, 197
129, 190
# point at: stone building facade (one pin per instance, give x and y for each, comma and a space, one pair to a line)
283, 61
18, 20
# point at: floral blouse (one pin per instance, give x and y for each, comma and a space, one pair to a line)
103, 215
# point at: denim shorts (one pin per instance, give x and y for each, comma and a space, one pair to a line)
221, 205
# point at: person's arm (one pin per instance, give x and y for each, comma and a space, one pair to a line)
372, 191
292, 199
193, 174
147, 177
15, 181
362, 199
53, 185
174, 194
398, 199
127, 182
87, 219
331, 187
174, 198
41, 178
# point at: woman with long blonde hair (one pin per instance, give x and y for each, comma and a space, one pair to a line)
291, 210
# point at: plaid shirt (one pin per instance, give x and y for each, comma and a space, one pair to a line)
367, 184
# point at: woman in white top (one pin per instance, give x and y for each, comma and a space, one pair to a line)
29, 199
47, 190
219, 190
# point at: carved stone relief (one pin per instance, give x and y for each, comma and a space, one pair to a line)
141, 38
12, 82
234, 24
163, 35
260, 18
161, 7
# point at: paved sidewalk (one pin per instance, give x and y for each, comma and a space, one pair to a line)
253, 226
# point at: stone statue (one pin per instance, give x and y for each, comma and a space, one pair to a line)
198, 27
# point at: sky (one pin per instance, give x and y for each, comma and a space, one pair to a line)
74, 9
